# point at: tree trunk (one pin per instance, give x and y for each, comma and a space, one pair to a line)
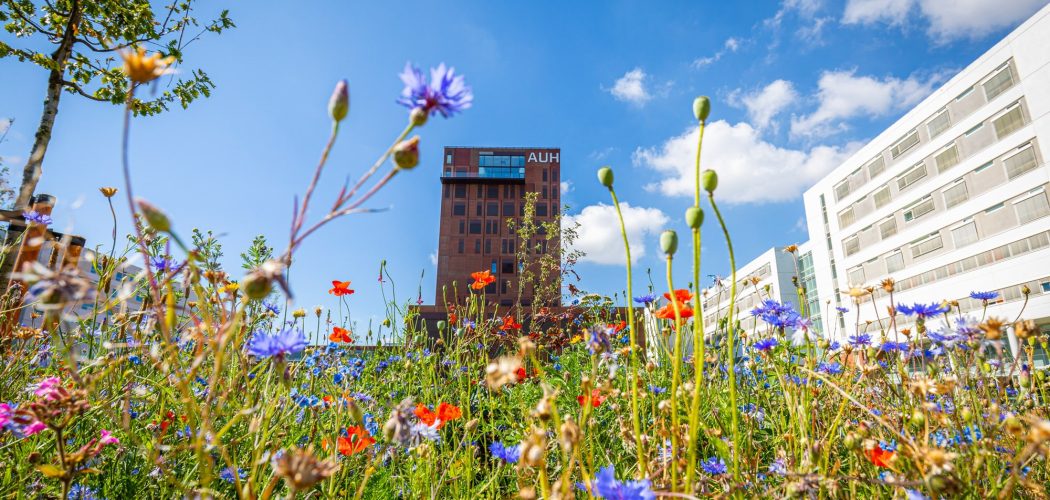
34, 167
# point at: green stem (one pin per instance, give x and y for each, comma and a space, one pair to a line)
731, 339
676, 378
698, 334
633, 375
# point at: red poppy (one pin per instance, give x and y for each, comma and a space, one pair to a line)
340, 335
680, 295
448, 413
879, 456
445, 413
452, 317
482, 279
425, 415
667, 311
521, 374
596, 398
510, 324
617, 327
327, 400
341, 288
356, 440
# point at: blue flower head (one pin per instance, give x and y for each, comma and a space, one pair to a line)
270, 306
765, 345
35, 217
714, 466
447, 93
860, 340
509, 454
922, 310
985, 296
605, 485
646, 299
278, 345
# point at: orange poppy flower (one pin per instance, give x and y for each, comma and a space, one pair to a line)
327, 400
521, 374
510, 324
879, 456
680, 295
448, 413
340, 335
424, 414
356, 440
452, 318
617, 327
667, 311
445, 413
482, 279
596, 398
340, 288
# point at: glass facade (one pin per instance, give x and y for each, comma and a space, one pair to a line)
809, 281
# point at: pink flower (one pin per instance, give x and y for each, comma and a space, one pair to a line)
108, 438
47, 388
33, 428
5, 414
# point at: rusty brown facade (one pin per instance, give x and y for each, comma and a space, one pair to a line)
481, 188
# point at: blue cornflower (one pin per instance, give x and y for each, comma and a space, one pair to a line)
985, 296
946, 337
842, 310
922, 310
830, 367
777, 314
834, 346
765, 345
227, 474
860, 340
81, 492
37, 218
646, 299
605, 485
890, 346
714, 466
163, 264
447, 92
655, 389
509, 454
272, 308
598, 339
778, 467
278, 345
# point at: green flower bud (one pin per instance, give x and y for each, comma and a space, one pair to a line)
418, 117
356, 416
966, 414
339, 104
709, 181
441, 325
701, 108
406, 154
918, 418
669, 242
605, 176
154, 217
256, 285
694, 217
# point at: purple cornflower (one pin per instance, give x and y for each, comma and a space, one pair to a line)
842, 310
598, 339
985, 296
270, 306
714, 466
830, 367
278, 345
765, 345
646, 299
447, 92
922, 310
509, 454
227, 474
35, 217
778, 467
163, 264
860, 340
605, 485
777, 314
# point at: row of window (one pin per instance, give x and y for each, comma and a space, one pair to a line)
1006, 167
507, 246
459, 191
492, 209
1005, 122
1001, 79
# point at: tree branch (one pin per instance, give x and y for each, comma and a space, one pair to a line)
78, 89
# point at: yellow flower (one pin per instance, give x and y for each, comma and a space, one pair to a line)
231, 287
576, 339
108, 192
143, 69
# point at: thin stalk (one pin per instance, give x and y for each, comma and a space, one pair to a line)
731, 338
698, 332
676, 380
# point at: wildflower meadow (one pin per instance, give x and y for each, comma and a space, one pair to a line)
190, 380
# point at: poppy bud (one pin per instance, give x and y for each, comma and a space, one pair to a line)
669, 242
418, 117
339, 104
701, 108
406, 154
154, 217
441, 325
473, 424
918, 418
256, 285
354, 411
694, 217
605, 176
709, 180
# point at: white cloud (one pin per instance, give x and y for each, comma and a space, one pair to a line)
844, 95
599, 232
731, 45
5, 123
601, 154
750, 170
948, 20
631, 88
566, 187
805, 9
765, 104
434, 258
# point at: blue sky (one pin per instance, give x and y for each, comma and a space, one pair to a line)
795, 86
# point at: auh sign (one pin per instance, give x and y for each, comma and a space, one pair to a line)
544, 157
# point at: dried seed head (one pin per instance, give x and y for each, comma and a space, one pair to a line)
301, 470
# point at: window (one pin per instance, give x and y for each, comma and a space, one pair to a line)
994, 208
461, 191
1032, 208
508, 266
461, 246
541, 209
965, 234
923, 207
479, 209
544, 175
964, 94
905, 143
923, 247
851, 245
876, 167
459, 209
955, 195
448, 159
488, 250
1020, 162
940, 122
508, 209
882, 197
982, 167
462, 226
894, 262
544, 195
477, 246
911, 176
846, 217
1008, 122
841, 190
493, 192
999, 82
492, 209
947, 159
856, 276
888, 228
475, 227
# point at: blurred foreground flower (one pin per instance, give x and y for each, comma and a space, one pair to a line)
447, 93
143, 69
278, 345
